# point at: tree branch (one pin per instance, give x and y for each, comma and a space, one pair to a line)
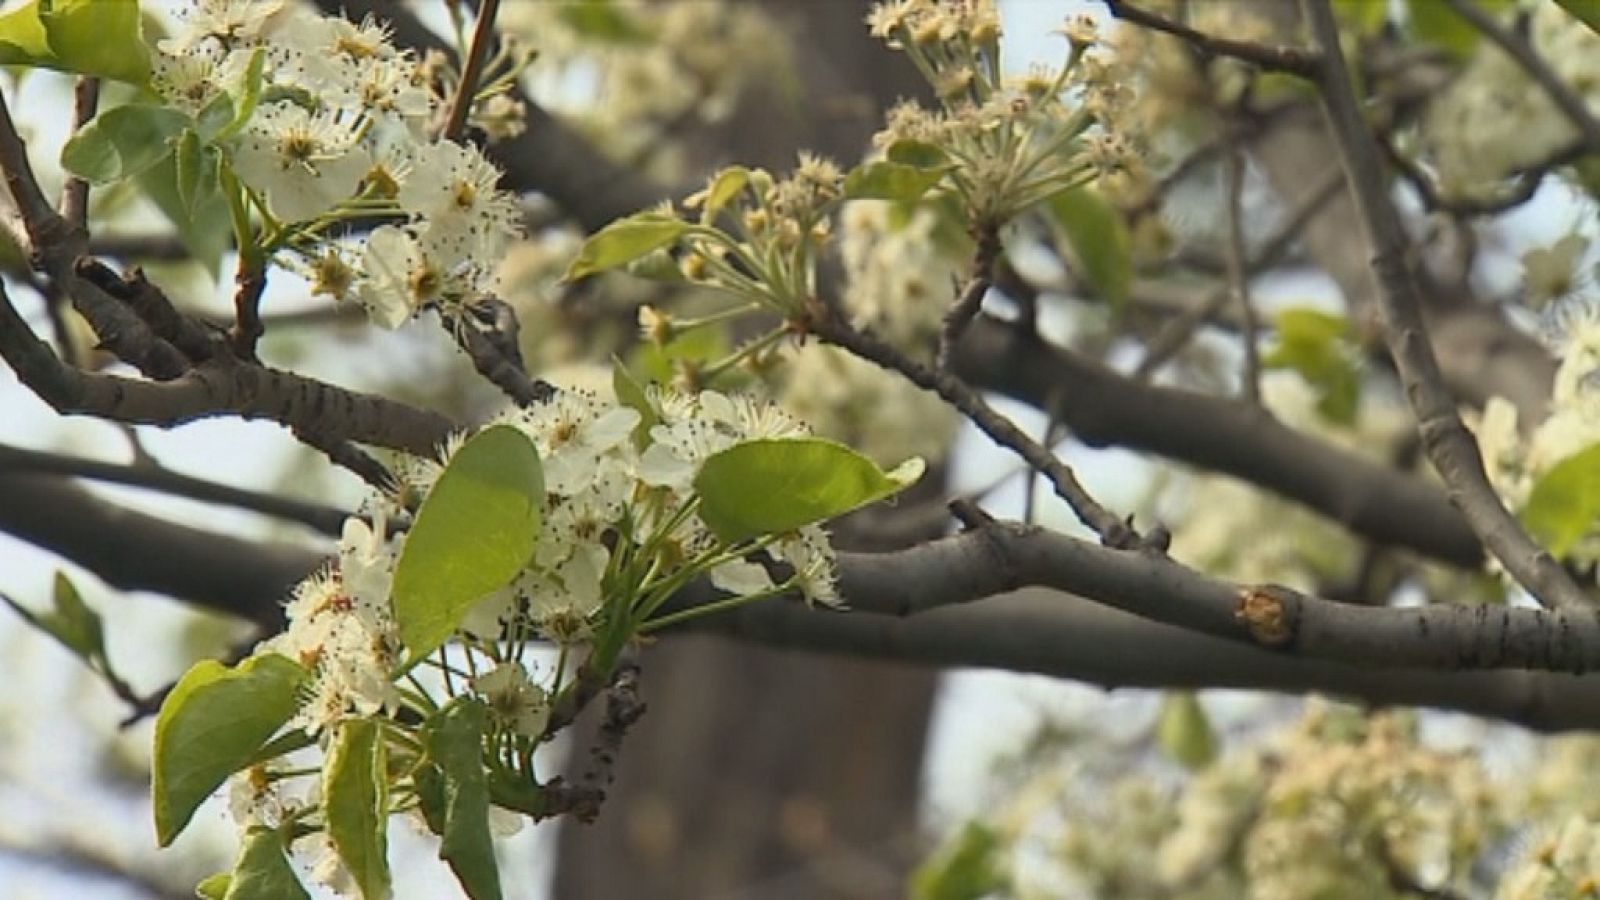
1273, 58
1450, 446
1105, 408
326, 519
217, 388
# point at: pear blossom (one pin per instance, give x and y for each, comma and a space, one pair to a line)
304, 162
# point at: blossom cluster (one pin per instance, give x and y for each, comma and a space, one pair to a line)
343, 125
1014, 141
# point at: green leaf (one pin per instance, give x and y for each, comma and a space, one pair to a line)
659, 364
968, 868
90, 37
455, 796
473, 534
1434, 22
70, 621
890, 181
1317, 346
1365, 16
632, 394
211, 725
244, 105
603, 21
214, 887
1099, 240
356, 804
263, 871
207, 230
1585, 11
198, 170
122, 141
1184, 732
721, 191
624, 241
776, 485
1564, 504
918, 154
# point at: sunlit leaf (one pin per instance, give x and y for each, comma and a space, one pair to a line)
211, 725
356, 804
1098, 238
1564, 504
90, 37
890, 181
1585, 11
777, 485
624, 241
968, 868
263, 871
1317, 346
1184, 732
455, 796
122, 141
473, 534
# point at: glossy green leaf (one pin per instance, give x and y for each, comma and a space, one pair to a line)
1317, 345
122, 141
356, 804
70, 621
263, 871
1564, 504
968, 868
206, 229
211, 725
455, 796
1184, 732
777, 485
90, 37
214, 887
631, 393
473, 534
249, 96
1585, 11
890, 181
1098, 238
624, 241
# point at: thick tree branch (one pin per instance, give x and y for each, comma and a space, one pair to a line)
1045, 632
1104, 408
1450, 446
325, 519
214, 389
139, 552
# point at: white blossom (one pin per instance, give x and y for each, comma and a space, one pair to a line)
305, 163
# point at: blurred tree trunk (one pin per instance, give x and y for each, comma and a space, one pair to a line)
758, 773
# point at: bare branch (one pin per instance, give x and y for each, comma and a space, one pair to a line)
325, 519
1450, 446
75, 194
1238, 278
1273, 58
970, 301
1105, 408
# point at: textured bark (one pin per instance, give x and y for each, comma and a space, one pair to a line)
754, 773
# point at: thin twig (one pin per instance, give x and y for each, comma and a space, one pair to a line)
1172, 338
1274, 58
970, 301
829, 324
472, 69
1449, 445
325, 519
1238, 279
624, 707
249, 282
1523, 53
